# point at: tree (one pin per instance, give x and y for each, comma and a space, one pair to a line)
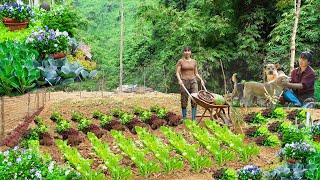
294, 33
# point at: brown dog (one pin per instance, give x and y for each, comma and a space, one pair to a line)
259, 90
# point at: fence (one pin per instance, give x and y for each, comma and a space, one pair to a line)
15, 109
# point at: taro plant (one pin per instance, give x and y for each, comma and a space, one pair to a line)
17, 73
250, 172
160, 150
76, 160
188, 151
212, 144
111, 160
235, 142
138, 156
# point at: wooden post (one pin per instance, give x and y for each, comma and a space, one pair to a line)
2, 118
294, 33
28, 104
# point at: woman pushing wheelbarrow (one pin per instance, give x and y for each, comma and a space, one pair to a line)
187, 74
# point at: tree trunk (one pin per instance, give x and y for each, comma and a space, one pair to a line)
294, 33
121, 44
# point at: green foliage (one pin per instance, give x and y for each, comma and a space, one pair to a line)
111, 160
61, 17
63, 126
17, 73
160, 150
84, 124
212, 144
187, 150
272, 140
145, 116
30, 164
76, 160
21, 35
294, 134
234, 141
313, 167
279, 113
317, 90
125, 118
308, 34
138, 156
105, 120
259, 118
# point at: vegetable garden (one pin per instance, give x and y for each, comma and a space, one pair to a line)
143, 136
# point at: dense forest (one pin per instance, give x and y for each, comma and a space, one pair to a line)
243, 34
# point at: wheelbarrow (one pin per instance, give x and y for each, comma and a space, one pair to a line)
215, 111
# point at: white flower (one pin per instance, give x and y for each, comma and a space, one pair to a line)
16, 148
38, 175
29, 157
67, 172
9, 163
18, 159
6, 153
55, 45
51, 166
65, 33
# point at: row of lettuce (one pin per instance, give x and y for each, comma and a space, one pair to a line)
27, 56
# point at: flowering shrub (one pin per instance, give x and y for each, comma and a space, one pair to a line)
19, 12
297, 151
49, 41
250, 172
27, 164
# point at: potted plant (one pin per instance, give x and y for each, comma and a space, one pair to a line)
15, 16
50, 42
250, 172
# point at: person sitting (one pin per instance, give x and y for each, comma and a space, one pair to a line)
301, 86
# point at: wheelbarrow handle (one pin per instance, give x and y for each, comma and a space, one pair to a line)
204, 87
187, 92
